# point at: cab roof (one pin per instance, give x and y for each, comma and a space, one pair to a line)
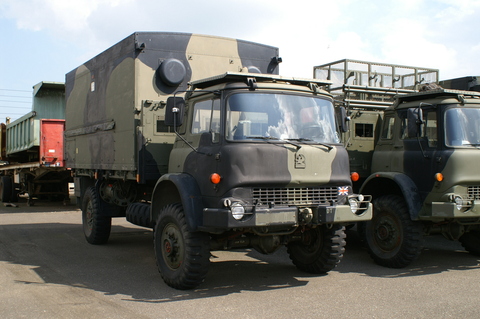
244, 77
436, 93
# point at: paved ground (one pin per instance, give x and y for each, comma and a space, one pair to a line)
48, 270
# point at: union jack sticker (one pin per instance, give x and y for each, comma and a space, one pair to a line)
343, 190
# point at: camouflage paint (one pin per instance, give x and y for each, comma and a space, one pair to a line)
116, 100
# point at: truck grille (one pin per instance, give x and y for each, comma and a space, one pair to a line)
296, 196
474, 192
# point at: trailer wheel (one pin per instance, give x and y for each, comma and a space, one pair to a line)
6, 189
182, 255
15, 192
320, 249
471, 242
393, 240
95, 226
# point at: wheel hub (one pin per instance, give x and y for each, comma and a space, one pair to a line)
383, 232
89, 217
168, 247
386, 235
172, 244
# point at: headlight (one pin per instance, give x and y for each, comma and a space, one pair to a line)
238, 211
353, 204
458, 202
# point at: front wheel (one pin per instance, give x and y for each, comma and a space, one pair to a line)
320, 249
471, 242
393, 240
95, 226
182, 256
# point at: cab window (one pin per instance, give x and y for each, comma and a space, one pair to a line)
388, 125
206, 117
427, 130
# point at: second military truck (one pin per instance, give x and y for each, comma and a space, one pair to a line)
199, 138
415, 146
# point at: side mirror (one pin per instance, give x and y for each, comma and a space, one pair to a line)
174, 111
415, 120
344, 120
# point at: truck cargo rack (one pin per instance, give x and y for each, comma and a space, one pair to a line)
372, 85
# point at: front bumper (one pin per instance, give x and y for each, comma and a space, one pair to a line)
450, 210
287, 216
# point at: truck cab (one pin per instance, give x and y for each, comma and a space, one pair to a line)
434, 141
258, 163
423, 168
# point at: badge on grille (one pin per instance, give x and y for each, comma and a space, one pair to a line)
300, 161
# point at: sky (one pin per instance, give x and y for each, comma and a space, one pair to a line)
42, 40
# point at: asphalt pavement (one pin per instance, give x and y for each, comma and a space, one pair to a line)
48, 270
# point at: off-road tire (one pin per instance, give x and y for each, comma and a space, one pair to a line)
96, 227
393, 240
6, 189
320, 249
182, 256
471, 242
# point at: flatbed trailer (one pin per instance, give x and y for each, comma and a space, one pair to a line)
34, 180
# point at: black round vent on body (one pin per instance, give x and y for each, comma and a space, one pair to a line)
172, 72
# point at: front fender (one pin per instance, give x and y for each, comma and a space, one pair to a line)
175, 188
386, 183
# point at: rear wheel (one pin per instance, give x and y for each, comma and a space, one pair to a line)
392, 238
320, 249
471, 242
182, 256
95, 226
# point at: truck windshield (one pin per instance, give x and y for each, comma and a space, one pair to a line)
462, 127
254, 116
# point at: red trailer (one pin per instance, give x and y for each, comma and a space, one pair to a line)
51, 143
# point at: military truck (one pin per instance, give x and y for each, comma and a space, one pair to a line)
422, 172
199, 138
32, 149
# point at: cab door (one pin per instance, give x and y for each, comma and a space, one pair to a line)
201, 136
387, 148
420, 146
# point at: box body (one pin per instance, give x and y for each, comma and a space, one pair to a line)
115, 102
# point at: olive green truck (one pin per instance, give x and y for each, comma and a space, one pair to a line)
416, 149
199, 138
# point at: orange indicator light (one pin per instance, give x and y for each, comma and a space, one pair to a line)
439, 177
215, 178
355, 176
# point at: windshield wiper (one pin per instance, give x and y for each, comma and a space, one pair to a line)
303, 139
300, 139
476, 145
274, 139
